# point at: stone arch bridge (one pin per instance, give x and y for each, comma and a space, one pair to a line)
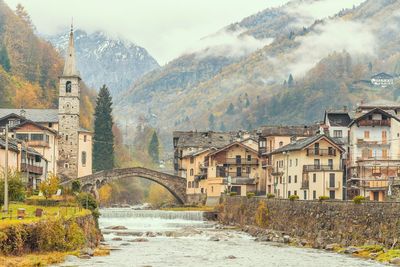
174, 184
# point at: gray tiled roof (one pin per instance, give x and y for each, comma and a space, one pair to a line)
204, 139
302, 143
297, 130
13, 145
36, 115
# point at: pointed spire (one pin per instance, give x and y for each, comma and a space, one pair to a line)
70, 64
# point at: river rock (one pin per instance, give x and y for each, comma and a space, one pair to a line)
139, 240
118, 227
71, 258
231, 257
331, 247
85, 257
286, 239
117, 239
125, 244
214, 238
352, 250
151, 234
87, 251
395, 261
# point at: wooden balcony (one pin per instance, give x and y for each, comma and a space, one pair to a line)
31, 169
320, 152
374, 123
35, 143
363, 142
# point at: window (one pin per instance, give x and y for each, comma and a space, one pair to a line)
384, 153
384, 137
332, 180
295, 179
295, 192
366, 134
248, 157
297, 162
212, 188
248, 169
305, 194
280, 144
83, 158
37, 137
314, 177
66, 165
189, 184
337, 133
47, 138
262, 144
24, 137
330, 163
289, 193
290, 163
84, 138
68, 87
290, 179
50, 124
66, 138
376, 170
332, 194
191, 172
314, 194
191, 160
280, 180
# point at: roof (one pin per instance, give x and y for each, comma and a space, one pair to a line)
305, 142
13, 145
203, 139
382, 75
381, 103
34, 123
232, 144
70, 61
337, 118
362, 116
297, 130
36, 115
197, 152
83, 130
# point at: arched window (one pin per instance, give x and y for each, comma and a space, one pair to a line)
280, 144
68, 87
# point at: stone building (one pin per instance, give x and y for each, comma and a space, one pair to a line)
56, 133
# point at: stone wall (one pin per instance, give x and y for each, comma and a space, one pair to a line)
319, 223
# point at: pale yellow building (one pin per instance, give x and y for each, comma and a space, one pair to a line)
309, 168
195, 170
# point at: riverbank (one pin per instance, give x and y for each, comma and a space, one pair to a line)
368, 230
48, 238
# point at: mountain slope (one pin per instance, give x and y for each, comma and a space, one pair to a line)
104, 60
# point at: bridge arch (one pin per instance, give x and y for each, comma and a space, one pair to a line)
174, 184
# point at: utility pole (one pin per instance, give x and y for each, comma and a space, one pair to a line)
6, 174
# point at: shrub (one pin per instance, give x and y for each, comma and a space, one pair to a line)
87, 201
75, 238
250, 194
50, 186
233, 193
42, 202
269, 196
358, 199
262, 214
322, 198
16, 188
293, 197
76, 186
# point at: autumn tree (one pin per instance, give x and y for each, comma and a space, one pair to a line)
50, 186
159, 196
105, 193
23, 14
154, 148
103, 139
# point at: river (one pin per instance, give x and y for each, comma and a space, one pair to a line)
176, 239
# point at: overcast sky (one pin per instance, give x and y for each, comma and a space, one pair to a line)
166, 28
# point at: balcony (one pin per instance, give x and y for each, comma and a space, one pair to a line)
276, 172
37, 143
320, 152
305, 184
378, 184
203, 165
374, 123
264, 164
362, 142
316, 168
235, 174
262, 150
333, 186
241, 161
31, 169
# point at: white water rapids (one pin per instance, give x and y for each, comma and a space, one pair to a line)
184, 239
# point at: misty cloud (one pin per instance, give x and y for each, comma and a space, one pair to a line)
228, 43
353, 37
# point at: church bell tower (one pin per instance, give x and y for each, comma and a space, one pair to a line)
68, 116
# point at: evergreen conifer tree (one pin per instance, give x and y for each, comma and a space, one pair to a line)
153, 148
290, 81
211, 122
4, 59
103, 139
222, 127
231, 109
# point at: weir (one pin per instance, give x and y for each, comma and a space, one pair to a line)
153, 214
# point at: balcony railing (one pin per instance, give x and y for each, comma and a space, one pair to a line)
305, 184
320, 152
36, 143
32, 169
314, 168
276, 172
374, 123
241, 161
363, 142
